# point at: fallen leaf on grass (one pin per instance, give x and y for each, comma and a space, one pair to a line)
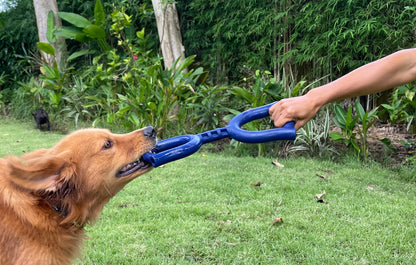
329, 172
258, 184
321, 176
277, 221
319, 196
322, 201
276, 163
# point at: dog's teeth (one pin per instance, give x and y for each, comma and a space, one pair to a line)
138, 164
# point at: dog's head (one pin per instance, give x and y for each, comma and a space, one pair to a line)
81, 173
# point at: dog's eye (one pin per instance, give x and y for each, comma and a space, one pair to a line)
108, 144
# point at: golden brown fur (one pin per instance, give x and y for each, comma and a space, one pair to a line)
49, 195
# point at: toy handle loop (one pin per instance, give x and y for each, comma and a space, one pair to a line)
173, 149
287, 132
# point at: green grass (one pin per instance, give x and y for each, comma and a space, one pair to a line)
204, 209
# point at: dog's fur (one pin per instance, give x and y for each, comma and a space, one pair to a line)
41, 117
49, 195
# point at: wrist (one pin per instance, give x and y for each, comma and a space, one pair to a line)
318, 97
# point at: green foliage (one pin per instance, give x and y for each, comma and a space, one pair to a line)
46, 48
82, 29
307, 38
2, 103
403, 106
74, 101
112, 61
18, 36
231, 34
125, 86
154, 100
347, 124
207, 106
330, 35
313, 138
350, 126
264, 90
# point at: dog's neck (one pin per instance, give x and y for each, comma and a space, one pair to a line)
58, 207
56, 199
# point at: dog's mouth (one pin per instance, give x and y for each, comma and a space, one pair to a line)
133, 167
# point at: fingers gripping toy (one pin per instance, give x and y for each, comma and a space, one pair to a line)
182, 146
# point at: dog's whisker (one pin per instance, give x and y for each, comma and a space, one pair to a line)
108, 190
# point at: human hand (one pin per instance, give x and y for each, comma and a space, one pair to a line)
298, 109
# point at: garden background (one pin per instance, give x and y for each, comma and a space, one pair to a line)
239, 55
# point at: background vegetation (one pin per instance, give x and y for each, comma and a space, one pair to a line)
240, 55
306, 39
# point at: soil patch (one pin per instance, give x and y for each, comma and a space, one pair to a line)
402, 143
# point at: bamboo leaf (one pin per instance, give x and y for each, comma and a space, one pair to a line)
242, 93
78, 54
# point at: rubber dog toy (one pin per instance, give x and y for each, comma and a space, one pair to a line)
178, 147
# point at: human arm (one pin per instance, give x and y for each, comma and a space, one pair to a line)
393, 70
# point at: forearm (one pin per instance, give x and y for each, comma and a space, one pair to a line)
386, 73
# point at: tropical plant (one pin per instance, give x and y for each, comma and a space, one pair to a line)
159, 95
314, 137
207, 106
55, 78
74, 101
403, 106
350, 127
264, 90
82, 30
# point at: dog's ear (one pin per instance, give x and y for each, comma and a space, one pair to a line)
40, 173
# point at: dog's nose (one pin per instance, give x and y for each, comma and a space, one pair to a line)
149, 132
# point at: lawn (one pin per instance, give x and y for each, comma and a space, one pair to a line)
215, 209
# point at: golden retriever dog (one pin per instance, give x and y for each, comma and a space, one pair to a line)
49, 195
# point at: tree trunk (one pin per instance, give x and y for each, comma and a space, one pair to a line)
169, 32
42, 8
